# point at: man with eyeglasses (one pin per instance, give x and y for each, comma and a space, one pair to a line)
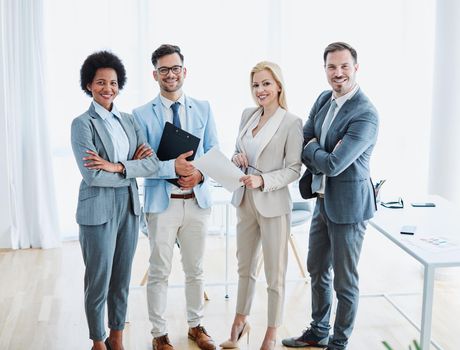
176, 213
339, 137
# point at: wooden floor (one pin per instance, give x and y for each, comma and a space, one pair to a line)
41, 299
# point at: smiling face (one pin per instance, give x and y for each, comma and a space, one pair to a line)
170, 83
265, 89
104, 87
341, 72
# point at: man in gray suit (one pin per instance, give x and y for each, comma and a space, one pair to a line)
339, 137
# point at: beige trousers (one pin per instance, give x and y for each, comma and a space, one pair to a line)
185, 221
254, 230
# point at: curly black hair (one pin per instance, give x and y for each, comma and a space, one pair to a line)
101, 59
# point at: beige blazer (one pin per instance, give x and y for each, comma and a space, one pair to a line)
278, 159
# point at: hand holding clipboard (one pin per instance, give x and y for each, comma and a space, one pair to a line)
183, 166
175, 142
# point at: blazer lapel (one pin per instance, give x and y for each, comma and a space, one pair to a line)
273, 127
130, 133
342, 116
102, 132
320, 118
193, 119
158, 111
253, 115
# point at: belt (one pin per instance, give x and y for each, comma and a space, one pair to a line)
320, 195
183, 196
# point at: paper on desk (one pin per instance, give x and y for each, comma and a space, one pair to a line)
433, 243
217, 166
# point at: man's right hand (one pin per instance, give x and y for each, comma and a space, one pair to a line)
183, 166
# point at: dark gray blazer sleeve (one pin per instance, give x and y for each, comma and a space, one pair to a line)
360, 135
309, 129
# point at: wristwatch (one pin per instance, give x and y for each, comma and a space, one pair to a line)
123, 172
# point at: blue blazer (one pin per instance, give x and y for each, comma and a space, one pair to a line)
200, 122
96, 198
349, 194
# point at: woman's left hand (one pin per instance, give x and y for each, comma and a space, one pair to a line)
96, 162
252, 181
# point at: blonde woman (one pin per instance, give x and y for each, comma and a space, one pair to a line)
268, 149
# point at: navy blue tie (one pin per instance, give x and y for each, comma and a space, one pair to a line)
175, 108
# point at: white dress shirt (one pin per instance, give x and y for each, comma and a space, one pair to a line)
166, 103
252, 143
168, 113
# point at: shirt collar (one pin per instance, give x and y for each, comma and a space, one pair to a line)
103, 113
342, 99
167, 102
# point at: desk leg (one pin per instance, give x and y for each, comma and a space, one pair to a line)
427, 308
227, 233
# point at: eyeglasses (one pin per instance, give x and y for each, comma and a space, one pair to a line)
165, 70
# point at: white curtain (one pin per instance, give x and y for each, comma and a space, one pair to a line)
30, 198
445, 122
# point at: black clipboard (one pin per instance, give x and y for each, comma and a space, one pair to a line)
175, 141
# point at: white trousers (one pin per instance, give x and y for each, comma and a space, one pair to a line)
185, 221
273, 233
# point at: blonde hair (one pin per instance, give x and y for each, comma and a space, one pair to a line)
275, 70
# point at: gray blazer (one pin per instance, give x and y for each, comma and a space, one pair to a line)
97, 194
349, 194
279, 160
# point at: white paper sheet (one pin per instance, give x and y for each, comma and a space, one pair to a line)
217, 166
432, 243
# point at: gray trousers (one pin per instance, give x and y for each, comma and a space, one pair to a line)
108, 252
337, 247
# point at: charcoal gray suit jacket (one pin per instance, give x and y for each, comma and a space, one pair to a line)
349, 194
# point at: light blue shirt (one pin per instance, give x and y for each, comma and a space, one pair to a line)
117, 133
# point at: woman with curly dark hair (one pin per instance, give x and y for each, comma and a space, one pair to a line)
111, 151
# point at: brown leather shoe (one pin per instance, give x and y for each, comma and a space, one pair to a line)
199, 335
162, 343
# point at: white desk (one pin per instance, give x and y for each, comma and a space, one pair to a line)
440, 221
